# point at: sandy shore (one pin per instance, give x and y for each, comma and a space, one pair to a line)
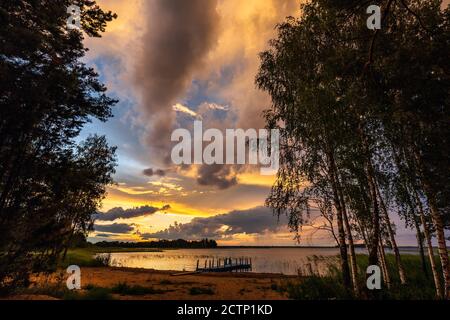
225, 286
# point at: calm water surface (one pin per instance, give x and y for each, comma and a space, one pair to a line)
265, 260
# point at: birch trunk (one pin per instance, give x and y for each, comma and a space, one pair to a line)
438, 223
340, 223
373, 254
398, 260
420, 245
342, 246
384, 268
427, 234
353, 265
370, 171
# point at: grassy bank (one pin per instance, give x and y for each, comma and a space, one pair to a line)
92, 292
420, 284
326, 286
86, 257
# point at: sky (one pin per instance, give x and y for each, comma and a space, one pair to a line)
171, 63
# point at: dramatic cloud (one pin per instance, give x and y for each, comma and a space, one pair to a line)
177, 52
119, 45
114, 228
185, 110
258, 220
217, 175
179, 34
245, 31
230, 74
120, 213
213, 116
104, 235
157, 172
179, 60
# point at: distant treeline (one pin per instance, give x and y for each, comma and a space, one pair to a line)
180, 243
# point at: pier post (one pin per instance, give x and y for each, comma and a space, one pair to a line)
239, 264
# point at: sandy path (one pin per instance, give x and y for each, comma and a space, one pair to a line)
227, 286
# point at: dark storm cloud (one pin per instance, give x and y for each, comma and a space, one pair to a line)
103, 235
151, 172
179, 35
120, 213
114, 228
258, 220
216, 175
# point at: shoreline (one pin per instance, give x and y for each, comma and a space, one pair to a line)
165, 285
123, 283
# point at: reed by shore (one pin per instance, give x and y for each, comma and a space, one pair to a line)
100, 281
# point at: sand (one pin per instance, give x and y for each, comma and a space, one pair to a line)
226, 286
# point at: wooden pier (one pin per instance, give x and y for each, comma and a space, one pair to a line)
225, 265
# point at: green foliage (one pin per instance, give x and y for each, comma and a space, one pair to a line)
363, 118
330, 286
94, 256
50, 185
103, 259
317, 288
60, 291
419, 287
79, 257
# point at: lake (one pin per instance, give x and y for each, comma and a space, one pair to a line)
288, 261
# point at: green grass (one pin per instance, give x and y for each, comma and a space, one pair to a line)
60, 291
91, 292
85, 257
316, 288
419, 286
134, 290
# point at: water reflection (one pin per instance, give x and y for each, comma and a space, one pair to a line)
289, 261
